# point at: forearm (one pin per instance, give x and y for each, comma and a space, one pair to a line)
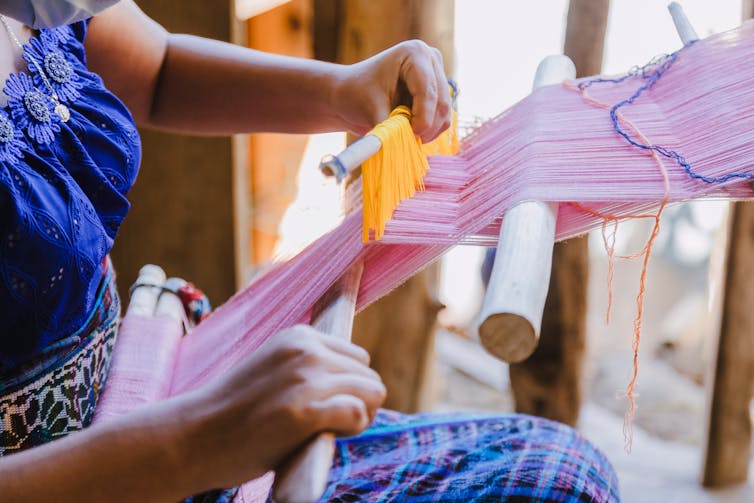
211, 87
136, 458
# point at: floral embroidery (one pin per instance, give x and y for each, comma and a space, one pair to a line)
31, 109
58, 69
11, 144
56, 36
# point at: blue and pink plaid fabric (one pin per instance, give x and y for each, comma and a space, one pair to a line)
461, 458
469, 458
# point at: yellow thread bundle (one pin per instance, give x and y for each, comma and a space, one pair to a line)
397, 171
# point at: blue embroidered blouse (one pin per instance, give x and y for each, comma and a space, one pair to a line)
62, 193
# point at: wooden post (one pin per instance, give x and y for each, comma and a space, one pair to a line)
188, 212
511, 314
729, 431
275, 158
731, 387
548, 383
397, 330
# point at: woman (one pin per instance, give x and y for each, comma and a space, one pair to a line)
69, 152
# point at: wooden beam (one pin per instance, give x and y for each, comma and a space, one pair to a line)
731, 384
729, 430
398, 330
548, 383
186, 215
275, 158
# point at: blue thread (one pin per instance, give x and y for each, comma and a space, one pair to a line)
651, 72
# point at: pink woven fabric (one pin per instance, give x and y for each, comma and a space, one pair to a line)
142, 365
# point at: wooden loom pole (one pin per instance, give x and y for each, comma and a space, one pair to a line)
304, 478
512, 310
548, 383
275, 158
731, 386
189, 186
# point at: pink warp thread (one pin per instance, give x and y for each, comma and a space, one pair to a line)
551, 146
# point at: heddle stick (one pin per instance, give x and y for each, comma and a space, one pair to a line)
515, 299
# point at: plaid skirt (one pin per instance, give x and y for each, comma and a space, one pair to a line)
465, 458
56, 393
461, 458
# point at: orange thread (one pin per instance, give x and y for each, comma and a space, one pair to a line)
645, 252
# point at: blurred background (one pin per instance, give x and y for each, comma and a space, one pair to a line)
217, 210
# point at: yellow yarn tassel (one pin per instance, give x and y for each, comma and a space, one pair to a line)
397, 171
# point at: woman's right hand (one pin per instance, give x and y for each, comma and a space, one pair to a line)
300, 383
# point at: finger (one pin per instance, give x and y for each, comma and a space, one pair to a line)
444, 100
371, 391
419, 76
344, 415
309, 334
342, 364
345, 348
442, 108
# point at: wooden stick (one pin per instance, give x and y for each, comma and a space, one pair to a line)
304, 478
682, 24
146, 290
515, 299
341, 165
170, 305
730, 384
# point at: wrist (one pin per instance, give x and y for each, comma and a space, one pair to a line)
187, 452
349, 98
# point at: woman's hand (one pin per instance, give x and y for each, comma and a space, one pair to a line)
410, 73
234, 429
300, 383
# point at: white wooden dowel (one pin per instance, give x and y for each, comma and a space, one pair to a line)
682, 24
169, 304
341, 165
304, 478
515, 298
145, 291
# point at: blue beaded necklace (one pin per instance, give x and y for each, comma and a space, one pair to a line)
59, 71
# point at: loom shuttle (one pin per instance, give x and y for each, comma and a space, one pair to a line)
515, 299
341, 165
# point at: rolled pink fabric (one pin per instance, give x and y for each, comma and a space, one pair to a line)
142, 365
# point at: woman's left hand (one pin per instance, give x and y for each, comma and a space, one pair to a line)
410, 73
